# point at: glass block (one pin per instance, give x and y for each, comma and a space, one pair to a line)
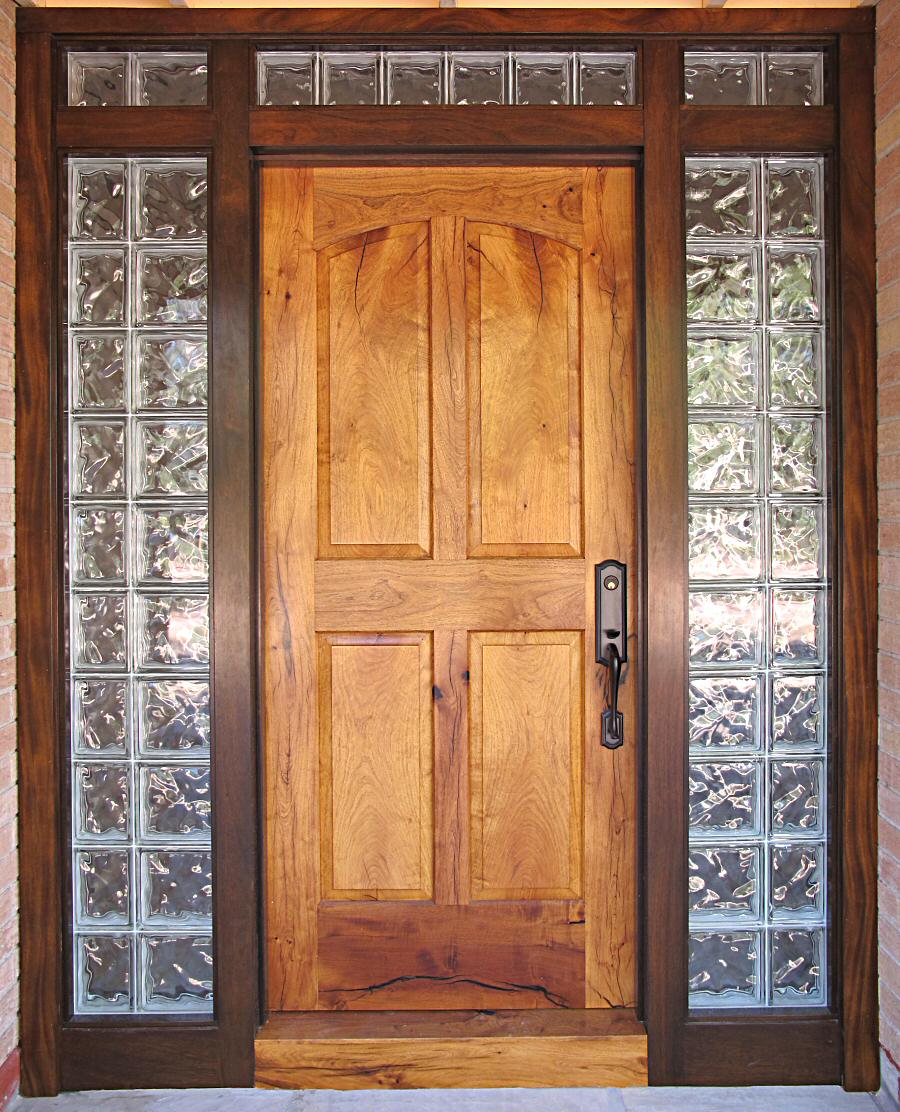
722, 286
796, 966
171, 79
172, 287
796, 541
103, 974
719, 198
172, 457
723, 712
723, 542
177, 973
172, 371
98, 634
796, 881
723, 880
606, 78
98, 463
722, 457
101, 802
795, 448
722, 370
101, 887
173, 631
793, 199
797, 627
543, 79
796, 793
477, 78
350, 78
100, 717
172, 201
97, 79
795, 369
723, 797
414, 78
794, 79
175, 803
725, 627
721, 78
177, 887
795, 283
287, 78
797, 712
723, 968
172, 545
173, 716
98, 537
97, 287
97, 202
98, 371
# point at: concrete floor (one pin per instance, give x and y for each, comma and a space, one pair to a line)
818, 1099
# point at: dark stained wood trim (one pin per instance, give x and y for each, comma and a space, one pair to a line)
765, 1050
135, 1056
758, 130
134, 129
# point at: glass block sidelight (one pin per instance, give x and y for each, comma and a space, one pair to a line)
751, 77
759, 568
138, 567
146, 78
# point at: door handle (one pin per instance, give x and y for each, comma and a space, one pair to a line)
611, 637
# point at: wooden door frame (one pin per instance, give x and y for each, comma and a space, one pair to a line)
832, 1045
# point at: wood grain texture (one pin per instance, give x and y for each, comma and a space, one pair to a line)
754, 130
526, 763
451, 767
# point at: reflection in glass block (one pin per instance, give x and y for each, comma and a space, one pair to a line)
723, 712
793, 199
172, 287
797, 881
797, 966
177, 887
350, 79
797, 712
719, 199
101, 802
796, 541
725, 627
172, 457
722, 370
98, 371
797, 627
172, 202
173, 545
98, 287
723, 880
103, 974
100, 717
99, 631
101, 887
543, 79
796, 790
172, 372
723, 968
606, 78
99, 542
723, 542
177, 973
477, 78
722, 457
414, 78
98, 201
795, 368
286, 78
175, 802
173, 631
97, 80
723, 797
722, 286
794, 79
795, 449
99, 458
171, 79
795, 285
173, 716
720, 78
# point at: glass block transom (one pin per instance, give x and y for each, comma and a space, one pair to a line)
759, 569
143, 78
781, 78
138, 585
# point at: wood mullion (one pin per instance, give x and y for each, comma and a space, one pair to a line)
743, 130
141, 130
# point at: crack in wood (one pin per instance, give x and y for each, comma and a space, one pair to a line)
502, 986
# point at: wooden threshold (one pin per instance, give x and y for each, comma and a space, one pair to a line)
452, 1050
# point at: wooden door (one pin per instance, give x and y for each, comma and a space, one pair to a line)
448, 450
